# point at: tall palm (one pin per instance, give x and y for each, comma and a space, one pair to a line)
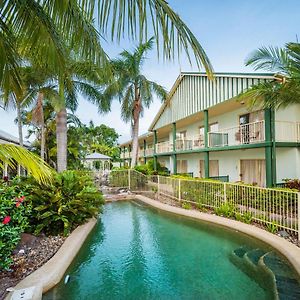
80, 77
134, 90
283, 91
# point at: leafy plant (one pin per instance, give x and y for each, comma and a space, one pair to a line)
245, 217
186, 205
226, 210
69, 201
272, 227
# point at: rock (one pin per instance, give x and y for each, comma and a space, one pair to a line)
283, 234
21, 252
27, 240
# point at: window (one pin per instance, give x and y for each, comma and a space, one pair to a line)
253, 171
182, 166
213, 168
213, 127
181, 135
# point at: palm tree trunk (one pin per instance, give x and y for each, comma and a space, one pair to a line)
135, 130
61, 133
43, 141
20, 124
61, 139
20, 129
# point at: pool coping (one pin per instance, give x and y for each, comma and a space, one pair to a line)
51, 273
287, 249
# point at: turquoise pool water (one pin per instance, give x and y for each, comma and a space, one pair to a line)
136, 252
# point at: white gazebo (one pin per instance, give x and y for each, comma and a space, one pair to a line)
97, 162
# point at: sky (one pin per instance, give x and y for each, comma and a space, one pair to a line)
228, 30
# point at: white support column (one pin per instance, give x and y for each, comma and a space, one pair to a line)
5, 169
298, 213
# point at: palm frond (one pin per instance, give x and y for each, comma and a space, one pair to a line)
272, 59
13, 155
171, 34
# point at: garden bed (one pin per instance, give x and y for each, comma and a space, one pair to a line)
31, 253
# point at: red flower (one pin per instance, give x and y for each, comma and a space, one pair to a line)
22, 199
18, 204
6, 220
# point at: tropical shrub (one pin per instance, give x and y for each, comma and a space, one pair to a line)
226, 210
70, 200
272, 227
186, 205
292, 184
14, 212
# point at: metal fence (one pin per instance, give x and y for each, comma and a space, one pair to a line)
274, 206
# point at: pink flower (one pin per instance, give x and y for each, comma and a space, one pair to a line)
6, 220
18, 204
22, 199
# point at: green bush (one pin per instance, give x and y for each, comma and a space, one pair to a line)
226, 210
246, 217
14, 212
70, 200
186, 205
272, 227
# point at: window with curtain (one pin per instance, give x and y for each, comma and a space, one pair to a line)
182, 166
213, 168
253, 171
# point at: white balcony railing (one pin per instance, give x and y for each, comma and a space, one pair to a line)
125, 155
240, 135
149, 151
286, 131
164, 147
190, 143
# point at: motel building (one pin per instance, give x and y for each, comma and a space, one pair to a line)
201, 129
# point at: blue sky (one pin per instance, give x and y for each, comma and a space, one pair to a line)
228, 30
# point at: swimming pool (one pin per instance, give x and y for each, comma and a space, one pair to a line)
137, 252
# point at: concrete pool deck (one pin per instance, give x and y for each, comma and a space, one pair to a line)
287, 249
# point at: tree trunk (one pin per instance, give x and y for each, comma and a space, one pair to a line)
43, 141
20, 124
135, 142
61, 139
135, 128
20, 129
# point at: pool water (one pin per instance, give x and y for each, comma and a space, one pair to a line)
137, 252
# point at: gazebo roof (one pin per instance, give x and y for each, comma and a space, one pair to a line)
96, 155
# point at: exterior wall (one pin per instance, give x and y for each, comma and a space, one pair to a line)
290, 113
196, 92
229, 161
287, 163
193, 164
164, 161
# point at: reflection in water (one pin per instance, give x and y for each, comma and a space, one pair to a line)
136, 252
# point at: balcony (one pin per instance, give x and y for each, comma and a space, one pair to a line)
250, 133
164, 147
149, 151
287, 131
190, 143
125, 155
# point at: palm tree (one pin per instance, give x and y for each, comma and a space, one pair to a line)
134, 90
283, 91
48, 29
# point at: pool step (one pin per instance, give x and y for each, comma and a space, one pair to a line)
286, 281
268, 269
